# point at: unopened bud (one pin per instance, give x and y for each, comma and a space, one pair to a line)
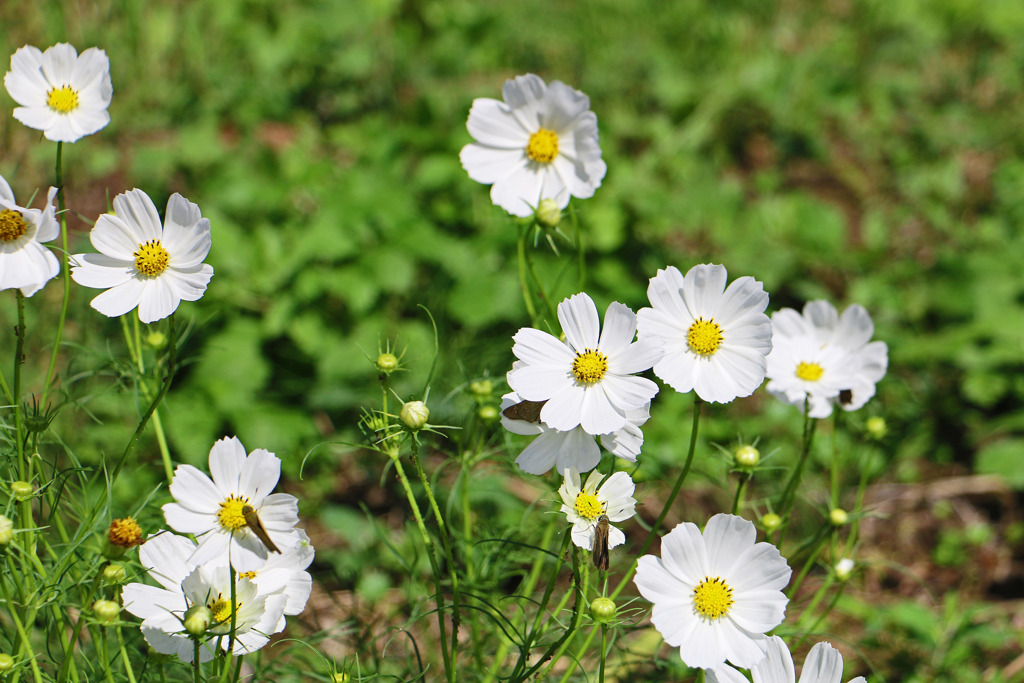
481, 388
106, 611
6, 663
747, 457
6, 530
548, 213
157, 340
487, 413
414, 414
771, 521
838, 517
876, 427
22, 490
339, 677
844, 568
197, 619
387, 363
602, 610
114, 573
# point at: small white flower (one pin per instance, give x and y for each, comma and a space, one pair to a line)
715, 594
61, 93
24, 262
143, 264
574, 448
286, 573
213, 510
588, 379
540, 143
824, 664
825, 358
584, 506
715, 338
258, 613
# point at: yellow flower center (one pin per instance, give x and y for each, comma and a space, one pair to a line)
543, 146
588, 506
247, 575
125, 532
63, 99
220, 608
712, 598
230, 514
151, 258
589, 366
810, 372
12, 225
704, 337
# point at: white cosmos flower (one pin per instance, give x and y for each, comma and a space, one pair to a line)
24, 262
258, 613
213, 510
715, 594
825, 358
540, 143
824, 664
286, 572
574, 448
715, 338
584, 505
142, 263
588, 379
61, 93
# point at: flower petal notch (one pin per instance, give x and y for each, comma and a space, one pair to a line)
540, 143
145, 264
62, 93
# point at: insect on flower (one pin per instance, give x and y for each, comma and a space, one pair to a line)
524, 410
600, 552
252, 520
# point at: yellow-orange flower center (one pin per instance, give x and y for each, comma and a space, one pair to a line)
712, 598
151, 258
809, 372
12, 225
230, 514
63, 100
125, 532
543, 146
589, 367
704, 337
588, 506
221, 609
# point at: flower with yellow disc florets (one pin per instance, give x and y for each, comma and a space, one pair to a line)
715, 594
584, 506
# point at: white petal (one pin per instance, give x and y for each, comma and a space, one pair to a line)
578, 317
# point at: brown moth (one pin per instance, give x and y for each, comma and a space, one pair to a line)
524, 410
600, 548
252, 520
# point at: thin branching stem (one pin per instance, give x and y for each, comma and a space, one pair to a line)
51, 370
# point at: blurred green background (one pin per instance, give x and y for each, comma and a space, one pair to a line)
862, 151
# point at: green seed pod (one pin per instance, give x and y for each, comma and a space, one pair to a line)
602, 610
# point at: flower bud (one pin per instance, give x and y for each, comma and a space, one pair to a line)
487, 413
387, 363
414, 414
771, 521
844, 568
6, 663
197, 619
481, 388
747, 457
339, 677
838, 517
602, 610
106, 611
22, 490
114, 573
548, 213
876, 427
157, 340
6, 530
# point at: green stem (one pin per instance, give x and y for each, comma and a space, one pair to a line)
106, 655
741, 488
26, 644
524, 285
446, 544
66, 277
581, 261
789, 494
171, 367
541, 290
604, 649
435, 570
196, 666
559, 645
231, 633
